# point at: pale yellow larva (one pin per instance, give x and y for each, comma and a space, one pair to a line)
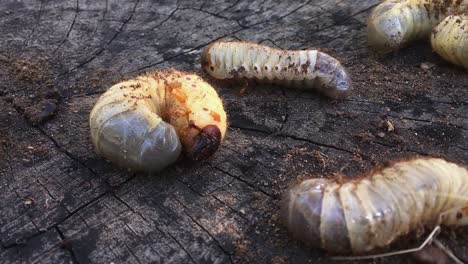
450, 39
145, 122
308, 69
360, 215
395, 23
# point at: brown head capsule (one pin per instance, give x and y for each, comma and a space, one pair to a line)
205, 143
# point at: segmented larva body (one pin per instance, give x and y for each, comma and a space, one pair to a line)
308, 69
450, 39
395, 23
145, 122
361, 215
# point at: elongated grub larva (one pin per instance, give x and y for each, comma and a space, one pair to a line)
309, 69
395, 23
450, 39
145, 122
361, 215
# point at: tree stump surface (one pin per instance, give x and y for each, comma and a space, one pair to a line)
62, 203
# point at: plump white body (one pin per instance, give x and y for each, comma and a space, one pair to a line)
395, 23
127, 128
308, 69
450, 39
145, 122
359, 216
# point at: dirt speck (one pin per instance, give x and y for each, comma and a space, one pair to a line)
279, 260
32, 91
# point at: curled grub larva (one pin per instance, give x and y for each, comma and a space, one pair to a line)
395, 23
145, 122
309, 69
361, 215
450, 39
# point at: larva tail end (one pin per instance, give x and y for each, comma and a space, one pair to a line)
384, 30
206, 143
285, 202
161, 148
333, 79
301, 209
287, 213
342, 84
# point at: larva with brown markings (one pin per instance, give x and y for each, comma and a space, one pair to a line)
309, 69
145, 122
450, 39
361, 215
395, 23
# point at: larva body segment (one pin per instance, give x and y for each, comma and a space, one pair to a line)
361, 215
145, 122
450, 39
395, 23
309, 69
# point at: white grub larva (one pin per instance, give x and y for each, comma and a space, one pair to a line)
450, 39
145, 122
308, 69
395, 23
361, 215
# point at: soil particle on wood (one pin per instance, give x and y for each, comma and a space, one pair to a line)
31, 91
430, 255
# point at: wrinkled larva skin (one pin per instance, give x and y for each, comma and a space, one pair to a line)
145, 122
308, 69
450, 39
361, 215
395, 23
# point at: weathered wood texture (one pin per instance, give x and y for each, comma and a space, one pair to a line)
60, 202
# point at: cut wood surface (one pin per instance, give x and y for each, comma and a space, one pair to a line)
61, 203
